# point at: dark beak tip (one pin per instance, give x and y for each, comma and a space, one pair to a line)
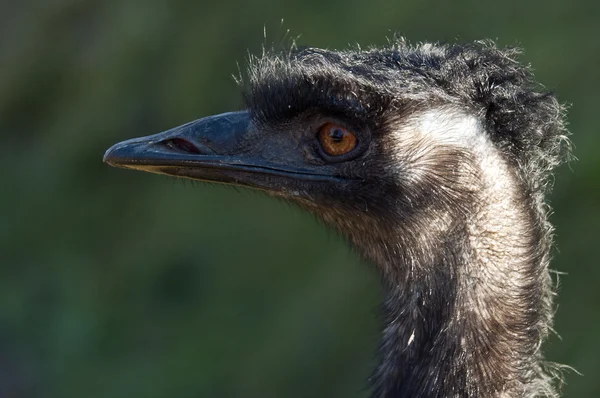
108, 157
116, 154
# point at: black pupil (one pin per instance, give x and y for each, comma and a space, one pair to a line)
336, 135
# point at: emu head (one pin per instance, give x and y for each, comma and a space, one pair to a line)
380, 144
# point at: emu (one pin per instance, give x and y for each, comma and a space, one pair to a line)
433, 160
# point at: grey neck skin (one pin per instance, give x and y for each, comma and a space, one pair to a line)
468, 291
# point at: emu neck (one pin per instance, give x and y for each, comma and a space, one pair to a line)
467, 288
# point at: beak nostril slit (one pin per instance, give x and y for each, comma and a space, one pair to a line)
181, 145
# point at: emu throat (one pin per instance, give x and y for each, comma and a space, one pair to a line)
467, 294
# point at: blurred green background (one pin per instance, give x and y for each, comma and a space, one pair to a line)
116, 283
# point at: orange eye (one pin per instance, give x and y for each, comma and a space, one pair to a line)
336, 140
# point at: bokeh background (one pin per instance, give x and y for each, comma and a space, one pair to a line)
116, 283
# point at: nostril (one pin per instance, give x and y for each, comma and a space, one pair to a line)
181, 145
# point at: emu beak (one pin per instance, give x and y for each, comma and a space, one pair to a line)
224, 148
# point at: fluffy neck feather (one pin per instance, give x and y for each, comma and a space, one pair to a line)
468, 298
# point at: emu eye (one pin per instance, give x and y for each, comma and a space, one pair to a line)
336, 140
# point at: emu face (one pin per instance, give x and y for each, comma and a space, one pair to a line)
346, 137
